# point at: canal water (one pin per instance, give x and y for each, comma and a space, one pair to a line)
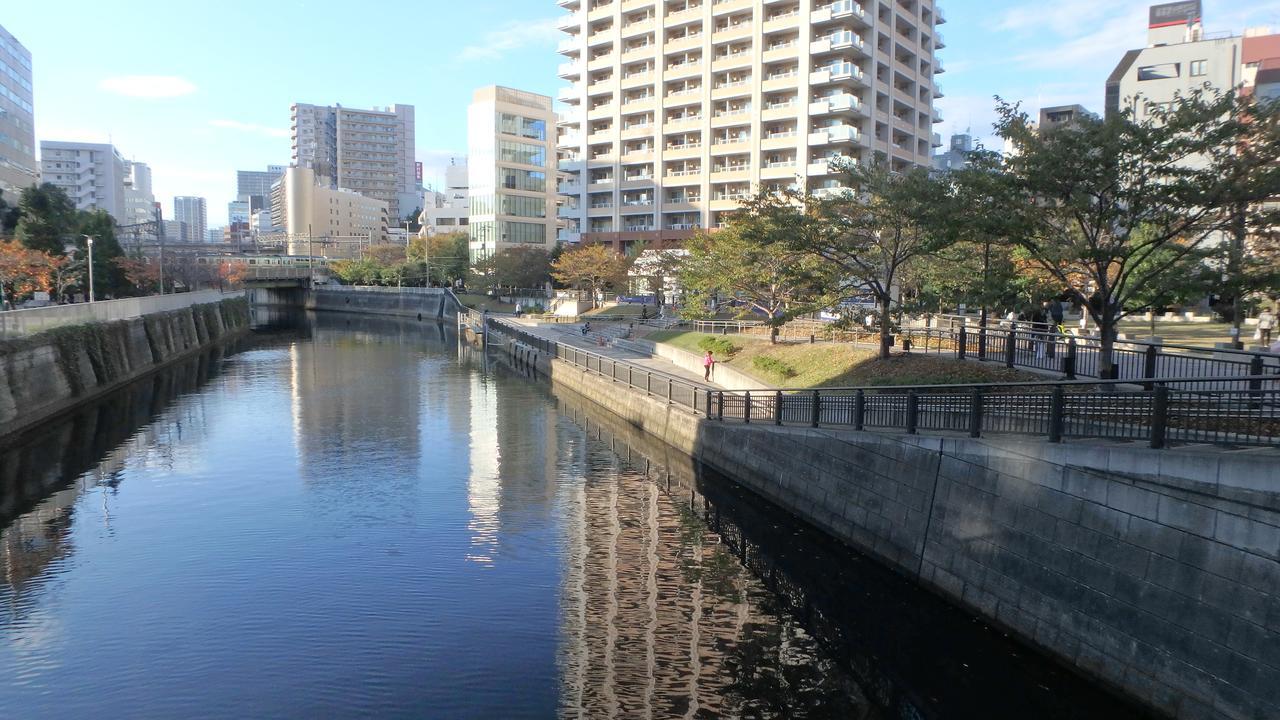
353, 517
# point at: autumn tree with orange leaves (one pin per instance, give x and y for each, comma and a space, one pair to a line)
23, 271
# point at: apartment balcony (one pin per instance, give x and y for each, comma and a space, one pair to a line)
730, 201
732, 61
639, 51
826, 166
570, 70
840, 10
569, 236
638, 28
827, 193
570, 21
601, 37
684, 70
737, 88
638, 155
834, 134
781, 111
774, 53
688, 42
938, 42
683, 16
601, 112
842, 103
837, 73
571, 94
603, 62
679, 152
635, 131
685, 120
602, 210
782, 22
569, 4
730, 117
724, 7
571, 165
638, 104
566, 212
636, 206
782, 81
570, 188
682, 205
600, 184
685, 176
601, 12
936, 141
778, 170
602, 136
570, 140
778, 140
740, 31
636, 80
684, 226
637, 181
838, 42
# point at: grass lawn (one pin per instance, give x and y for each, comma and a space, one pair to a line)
829, 365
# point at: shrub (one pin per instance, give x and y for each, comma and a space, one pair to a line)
773, 366
719, 346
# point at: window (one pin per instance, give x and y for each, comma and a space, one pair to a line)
516, 152
528, 233
522, 126
532, 207
1163, 71
1197, 68
530, 180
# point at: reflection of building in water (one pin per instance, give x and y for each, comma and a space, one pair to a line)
482, 483
650, 608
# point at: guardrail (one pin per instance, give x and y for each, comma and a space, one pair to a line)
24, 322
1171, 410
385, 289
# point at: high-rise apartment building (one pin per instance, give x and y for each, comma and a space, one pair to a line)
511, 172
957, 155
683, 108
256, 185
368, 151
1180, 57
139, 201
92, 174
318, 220
193, 213
17, 118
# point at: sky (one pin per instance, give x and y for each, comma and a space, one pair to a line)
201, 92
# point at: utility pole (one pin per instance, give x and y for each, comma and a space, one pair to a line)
88, 239
160, 237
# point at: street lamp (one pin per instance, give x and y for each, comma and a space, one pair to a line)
89, 241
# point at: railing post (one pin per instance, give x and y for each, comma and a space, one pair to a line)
1149, 366
720, 406
817, 409
777, 408
982, 342
746, 407
964, 341
1255, 385
1057, 405
1069, 362
708, 404
669, 384
975, 414
859, 409
913, 412
648, 382
1011, 346
1160, 417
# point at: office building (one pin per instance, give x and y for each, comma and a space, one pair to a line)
368, 151
1180, 57
447, 210
215, 235
174, 231
139, 201
18, 167
192, 212
511, 171
239, 213
92, 174
1062, 116
319, 220
957, 155
256, 185
680, 109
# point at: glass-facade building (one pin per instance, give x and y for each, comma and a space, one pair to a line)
511, 138
18, 167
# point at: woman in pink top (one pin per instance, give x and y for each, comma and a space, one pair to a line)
708, 364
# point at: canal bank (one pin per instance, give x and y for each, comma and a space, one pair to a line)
52, 372
1154, 572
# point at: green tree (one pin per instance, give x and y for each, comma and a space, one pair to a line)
47, 218
9, 215
591, 268
1112, 207
446, 255
750, 262
109, 277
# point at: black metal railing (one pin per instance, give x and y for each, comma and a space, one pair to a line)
1236, 410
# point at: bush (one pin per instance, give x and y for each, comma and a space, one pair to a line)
773, 366
719, 346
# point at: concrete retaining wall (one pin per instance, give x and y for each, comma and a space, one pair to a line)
419, 305
49, 373
16, 323
725, 376
1156, 572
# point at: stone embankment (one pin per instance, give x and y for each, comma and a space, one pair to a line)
46, 374
1156, 572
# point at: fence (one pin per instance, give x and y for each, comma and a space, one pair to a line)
1168, 410
385, 289
24, 322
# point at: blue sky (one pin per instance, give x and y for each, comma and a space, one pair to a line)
203, 91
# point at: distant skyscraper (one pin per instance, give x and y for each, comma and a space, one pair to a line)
368, 151
256, 184
192, 212
18, 167
511, 170
957, 156
92, 174
139, 202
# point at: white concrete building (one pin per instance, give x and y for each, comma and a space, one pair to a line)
511, 170
193, 212
682, 108
318, 220
18, 167
448, 210
368, 151
92, 174
139, 201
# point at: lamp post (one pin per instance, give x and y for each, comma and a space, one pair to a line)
89, 242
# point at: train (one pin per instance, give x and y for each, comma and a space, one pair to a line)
299, 261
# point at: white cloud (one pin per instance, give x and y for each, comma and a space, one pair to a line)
250, 128
148, 86
514, 35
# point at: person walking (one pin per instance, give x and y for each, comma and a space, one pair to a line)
708, 366
1266, 323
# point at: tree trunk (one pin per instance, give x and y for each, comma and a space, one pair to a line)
1107, 341
885, 339
773, 334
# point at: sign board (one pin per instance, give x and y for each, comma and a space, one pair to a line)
1176, 13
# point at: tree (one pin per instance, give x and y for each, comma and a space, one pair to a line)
655, 267
590, 267
22, 271
386, 254
108, 277
447, 256
748, 261
140, 273
1112, 207
47, 218
9, 215
356, 272
870, 238
522, 267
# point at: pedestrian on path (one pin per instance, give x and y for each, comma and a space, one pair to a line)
1266, 323
708, 366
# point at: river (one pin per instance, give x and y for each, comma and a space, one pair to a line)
352, 517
